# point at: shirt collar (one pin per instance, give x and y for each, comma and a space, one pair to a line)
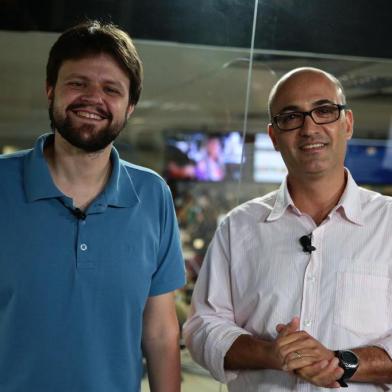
282, 202
120, 190
349, 203
38, 183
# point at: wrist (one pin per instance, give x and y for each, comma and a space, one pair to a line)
349, 362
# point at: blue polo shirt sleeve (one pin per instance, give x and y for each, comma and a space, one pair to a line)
170, 272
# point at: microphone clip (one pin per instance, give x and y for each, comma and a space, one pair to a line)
306, 243
79, 214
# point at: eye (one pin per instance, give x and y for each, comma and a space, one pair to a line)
112, 91
289, 117
325, 110
76, 83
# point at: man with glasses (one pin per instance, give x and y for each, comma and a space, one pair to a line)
295, 290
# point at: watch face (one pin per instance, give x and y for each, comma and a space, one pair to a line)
349, 358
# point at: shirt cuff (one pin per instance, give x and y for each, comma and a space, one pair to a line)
217, 346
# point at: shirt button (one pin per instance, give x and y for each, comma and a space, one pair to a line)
311, 278
83, 247
308, 323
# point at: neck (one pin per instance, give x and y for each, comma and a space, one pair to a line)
78, 174
317, 197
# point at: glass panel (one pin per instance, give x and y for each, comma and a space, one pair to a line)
199, 98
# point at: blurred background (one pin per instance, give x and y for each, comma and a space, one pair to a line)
201, 122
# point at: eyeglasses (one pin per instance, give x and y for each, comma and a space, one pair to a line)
324, 114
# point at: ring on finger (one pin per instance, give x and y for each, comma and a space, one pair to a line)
298, 354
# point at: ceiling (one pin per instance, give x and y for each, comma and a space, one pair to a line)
189, 87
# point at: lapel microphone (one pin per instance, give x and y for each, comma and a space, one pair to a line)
79, 214
306, 243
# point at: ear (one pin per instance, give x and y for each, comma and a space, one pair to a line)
130, 110
271, 133
49, 92
349, 117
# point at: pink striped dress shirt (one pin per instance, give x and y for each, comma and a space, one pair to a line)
256, 275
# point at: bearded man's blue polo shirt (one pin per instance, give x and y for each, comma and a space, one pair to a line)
72, 291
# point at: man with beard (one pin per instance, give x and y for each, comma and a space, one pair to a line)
318, 248
90, 251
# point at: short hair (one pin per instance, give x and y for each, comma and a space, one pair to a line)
94, 37
295, 71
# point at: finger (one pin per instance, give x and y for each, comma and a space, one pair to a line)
303, 344
314, 369
330, 374
292, 326
298, 363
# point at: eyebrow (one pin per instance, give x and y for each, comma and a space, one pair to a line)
295, 108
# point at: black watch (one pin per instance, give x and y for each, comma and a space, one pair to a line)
349, 362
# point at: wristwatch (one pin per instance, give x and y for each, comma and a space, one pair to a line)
349, 362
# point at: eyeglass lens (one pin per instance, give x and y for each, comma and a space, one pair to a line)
321, 115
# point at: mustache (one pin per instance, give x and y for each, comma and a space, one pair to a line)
100, 111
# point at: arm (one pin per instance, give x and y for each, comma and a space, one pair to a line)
211, 328
249, 352
160, 344
316, 362
375, 366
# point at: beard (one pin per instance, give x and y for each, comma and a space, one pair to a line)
85, 137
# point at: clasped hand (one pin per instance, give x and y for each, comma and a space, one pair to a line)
300, 353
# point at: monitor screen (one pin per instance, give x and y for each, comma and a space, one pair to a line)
267, 163
370, 161
201, 156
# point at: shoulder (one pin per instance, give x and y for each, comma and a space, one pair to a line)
148, 184
142, 174
369, 196
12, 161
255, 210
375, 202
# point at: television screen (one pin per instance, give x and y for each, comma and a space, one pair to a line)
267, 163
370, 161
203, 157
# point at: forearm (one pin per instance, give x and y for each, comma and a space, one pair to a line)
375, 366
163, 364
249, 352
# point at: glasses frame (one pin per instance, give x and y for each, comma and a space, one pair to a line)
309, 113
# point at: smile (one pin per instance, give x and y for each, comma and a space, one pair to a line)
313, 146
90, 116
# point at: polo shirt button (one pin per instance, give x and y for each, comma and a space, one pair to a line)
83, 247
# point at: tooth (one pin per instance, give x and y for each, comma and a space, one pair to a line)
89, 115
310, 146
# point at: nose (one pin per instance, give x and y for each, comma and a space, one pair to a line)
92, 94
309, 127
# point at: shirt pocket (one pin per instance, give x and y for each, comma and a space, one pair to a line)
363, 303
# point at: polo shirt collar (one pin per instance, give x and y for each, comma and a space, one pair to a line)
120, 190
38, 183
349, 203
